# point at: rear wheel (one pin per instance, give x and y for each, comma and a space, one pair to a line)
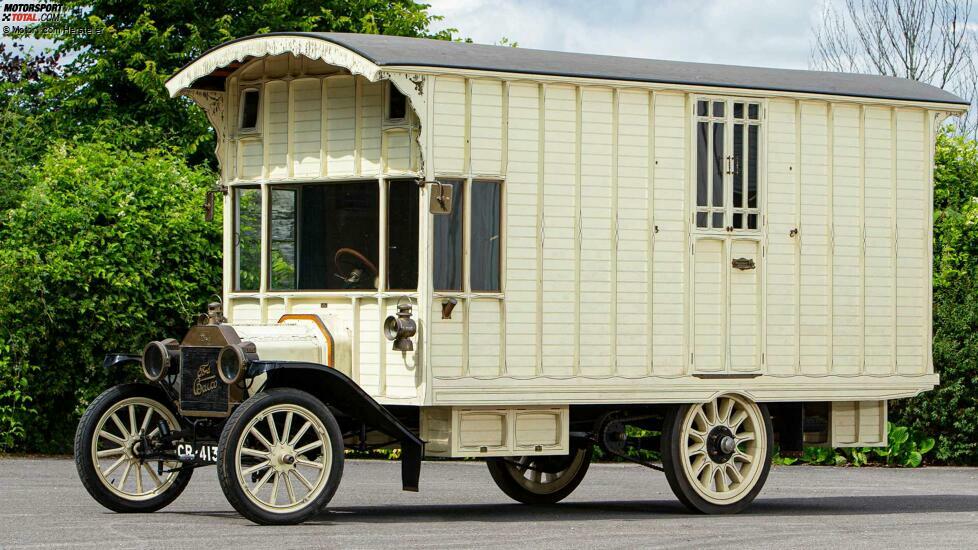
540, 479
717, 454
280, 457
109, 445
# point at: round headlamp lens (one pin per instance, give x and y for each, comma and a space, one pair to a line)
231, 364
156, 361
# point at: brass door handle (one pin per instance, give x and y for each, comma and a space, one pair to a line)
743, 264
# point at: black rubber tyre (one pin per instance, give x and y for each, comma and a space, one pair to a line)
243, 499
511, 480
85, 461
673, 448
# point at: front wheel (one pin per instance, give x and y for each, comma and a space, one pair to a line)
716, 455
280, 457
109, 448
540, 479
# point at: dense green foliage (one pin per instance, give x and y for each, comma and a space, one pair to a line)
107, 252
950, 412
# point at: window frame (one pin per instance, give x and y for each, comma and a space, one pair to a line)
235, 240
381, 240
466, 257
388, 120
728, 209
256, 129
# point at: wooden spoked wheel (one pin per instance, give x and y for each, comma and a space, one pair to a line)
717, 454
281, 457
540, 479
110, 453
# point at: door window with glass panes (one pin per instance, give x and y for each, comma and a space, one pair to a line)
728, 135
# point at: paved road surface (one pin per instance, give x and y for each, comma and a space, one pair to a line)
42, 504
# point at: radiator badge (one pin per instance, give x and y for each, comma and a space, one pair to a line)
205, 381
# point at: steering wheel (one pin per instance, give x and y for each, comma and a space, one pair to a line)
355, 275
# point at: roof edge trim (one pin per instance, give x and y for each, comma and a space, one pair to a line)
267, 45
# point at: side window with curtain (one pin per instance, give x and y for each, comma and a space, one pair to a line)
448, 243
484, 248
480, 235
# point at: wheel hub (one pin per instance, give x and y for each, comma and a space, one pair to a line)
282, 458
720, 444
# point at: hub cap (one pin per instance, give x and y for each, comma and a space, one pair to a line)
724, 443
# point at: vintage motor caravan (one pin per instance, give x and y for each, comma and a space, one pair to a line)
480, 251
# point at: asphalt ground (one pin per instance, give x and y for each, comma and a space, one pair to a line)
42, 504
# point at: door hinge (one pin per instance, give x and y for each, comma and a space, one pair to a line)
762, 358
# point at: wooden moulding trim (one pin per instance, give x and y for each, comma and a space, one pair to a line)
322, 328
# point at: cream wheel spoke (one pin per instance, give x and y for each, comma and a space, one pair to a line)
707, 474
125, 475
270, 419
700, 415
287, 427
744, 437
254, 452
256, 467
110, 452
263, 480
115, 465
289, 489
302, 431
723, 484
306, 448
699, 464
132, 420
152, 475
711, 412
145, 425
139, 479
274, 496
737, 420
257, 435
735, 475
744, 457
112, 437
726, 409
310, 463
302, 479
118, 424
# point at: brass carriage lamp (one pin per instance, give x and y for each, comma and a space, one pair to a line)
400, 328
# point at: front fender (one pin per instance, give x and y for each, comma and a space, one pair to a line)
338, 390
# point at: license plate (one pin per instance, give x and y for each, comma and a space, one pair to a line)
202, 452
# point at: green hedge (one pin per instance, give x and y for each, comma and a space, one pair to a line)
107, 250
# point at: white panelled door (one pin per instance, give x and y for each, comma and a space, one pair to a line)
726, 241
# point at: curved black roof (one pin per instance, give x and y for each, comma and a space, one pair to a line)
389, 51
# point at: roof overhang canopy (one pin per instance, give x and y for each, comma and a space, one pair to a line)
369, 54
236, 52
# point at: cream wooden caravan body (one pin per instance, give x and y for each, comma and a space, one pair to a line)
618, 283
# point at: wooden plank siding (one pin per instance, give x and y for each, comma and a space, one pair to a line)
608, 293
598, 266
